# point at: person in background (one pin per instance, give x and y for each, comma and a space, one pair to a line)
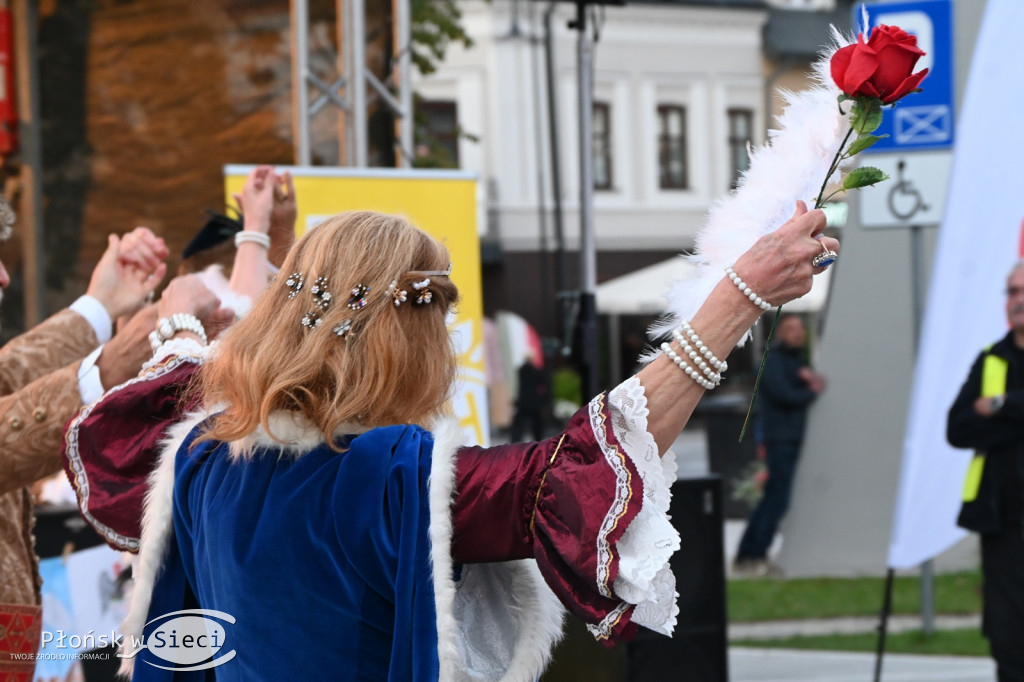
788, 388
236, 258
988, 417
205, 301
531, 401
46, 374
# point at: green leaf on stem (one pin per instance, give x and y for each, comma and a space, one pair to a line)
863, 142
866, 115
864, 176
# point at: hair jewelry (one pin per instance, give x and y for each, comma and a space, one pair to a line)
399, 296
294, 282
426, 295
439, 273
357, 301
321, 297
343, 328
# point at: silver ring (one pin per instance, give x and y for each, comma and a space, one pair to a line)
824, 259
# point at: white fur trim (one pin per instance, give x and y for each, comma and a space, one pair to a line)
157, 533
541, 618
447, 439
532, 604
293, 434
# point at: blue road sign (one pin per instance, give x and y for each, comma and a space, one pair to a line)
923, 120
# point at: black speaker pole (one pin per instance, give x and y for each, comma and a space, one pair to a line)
588, 251
883, 624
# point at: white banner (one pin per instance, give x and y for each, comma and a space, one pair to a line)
978, 243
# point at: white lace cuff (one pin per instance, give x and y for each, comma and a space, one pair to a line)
177, 346
644, 577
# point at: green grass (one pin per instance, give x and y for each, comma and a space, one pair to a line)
781, 599
941, 643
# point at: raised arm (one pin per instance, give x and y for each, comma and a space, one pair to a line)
778, 268
591, 505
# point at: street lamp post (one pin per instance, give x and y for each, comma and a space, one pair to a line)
587, 326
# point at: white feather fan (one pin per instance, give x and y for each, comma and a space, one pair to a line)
790, 166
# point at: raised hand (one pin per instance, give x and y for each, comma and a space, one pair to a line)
778, 266
256, 201
282, 218
187, 294
129, 270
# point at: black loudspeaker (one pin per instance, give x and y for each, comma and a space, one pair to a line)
697, 650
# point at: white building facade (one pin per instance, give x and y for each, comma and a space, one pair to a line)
678, 94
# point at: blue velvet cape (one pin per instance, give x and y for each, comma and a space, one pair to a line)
323, 559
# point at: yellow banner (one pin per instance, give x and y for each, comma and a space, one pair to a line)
443, 203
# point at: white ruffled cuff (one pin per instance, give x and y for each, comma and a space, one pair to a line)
644, 576
183, 346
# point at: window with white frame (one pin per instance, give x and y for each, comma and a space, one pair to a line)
741, 131
602, 145
437, 134
672, 166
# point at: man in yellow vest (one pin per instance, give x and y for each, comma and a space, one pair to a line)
988, 416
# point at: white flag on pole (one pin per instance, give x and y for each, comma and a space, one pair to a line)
980, 240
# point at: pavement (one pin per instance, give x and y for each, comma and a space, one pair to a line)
782, 629
785, 665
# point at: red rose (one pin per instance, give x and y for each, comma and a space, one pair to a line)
883, 67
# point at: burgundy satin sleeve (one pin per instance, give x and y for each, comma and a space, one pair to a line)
111, 446
565, 502
495, 491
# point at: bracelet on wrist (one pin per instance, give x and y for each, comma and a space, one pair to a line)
747, 291
689, 371
696, 359
167, 327
720, 365
253, 237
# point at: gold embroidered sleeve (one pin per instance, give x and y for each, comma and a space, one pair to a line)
60, 340
32, 427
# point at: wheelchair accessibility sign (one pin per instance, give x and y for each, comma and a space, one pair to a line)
923, 120
914, 194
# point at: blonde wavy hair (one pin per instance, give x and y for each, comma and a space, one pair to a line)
395, 366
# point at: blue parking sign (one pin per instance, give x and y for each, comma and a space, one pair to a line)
923, 120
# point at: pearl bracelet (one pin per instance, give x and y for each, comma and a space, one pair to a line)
712, 375
254, 237
690, 371
747, 291
720, 365
167, 327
